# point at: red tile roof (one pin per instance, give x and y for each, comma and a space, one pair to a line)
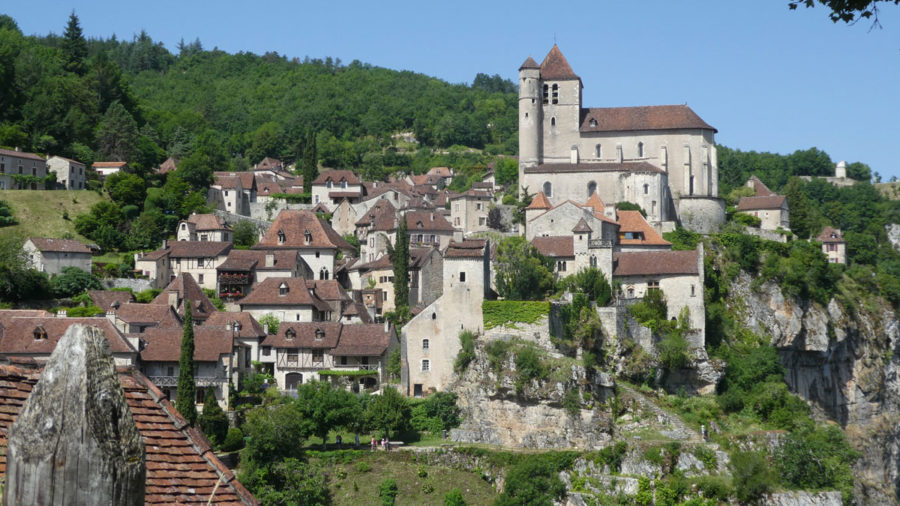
59, 245
247, 260
336, 176
529, 64
555, 246
363, 340
186, 288
540, 201
304, 335
382, 216
249, 326
208, 222
472, 248
181, 466
767, 202
21, 154
650, 117
359, 310
555, 66
247, 179
427, 221
655, 263
269, 163
293, 225
17, 334
171, 164
759, 187
268, 293
440, 172
582, 227
109, 165
832, 235
633, 221
160, 315
164, 344
595, 203
104, 299
328, 289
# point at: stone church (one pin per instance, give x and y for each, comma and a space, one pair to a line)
662, 158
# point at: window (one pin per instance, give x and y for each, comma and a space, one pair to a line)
591, 188
478, 206
593, 123
652, 285
555, 95
561, 266
307, 236
646, 189
318, 356
328, 184
290, 334
281, 237
425, 344
266, 351
293, 357
317, 254
548, 189
226, 193
170, 371
283, 289
553, 121
40, 333
200, 278
201, 395
426, 365
482, 221
640, 150
462, 276
320, 334
456, 207
343, 184
546, 92
593, 260
344, 360
693, 291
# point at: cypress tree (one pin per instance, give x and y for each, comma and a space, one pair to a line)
184, 403
74, 46
310, 166
400, 260
213, 421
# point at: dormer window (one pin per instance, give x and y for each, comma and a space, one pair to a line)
281, 237
320, 334
593, 122
343, 184
283, 289
40, 333
328, 184
308, 236
290, 334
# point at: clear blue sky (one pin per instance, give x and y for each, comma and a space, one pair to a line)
767, 78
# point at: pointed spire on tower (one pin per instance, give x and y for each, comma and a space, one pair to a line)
556, 67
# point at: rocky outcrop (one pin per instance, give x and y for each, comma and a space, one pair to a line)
845, 363
802, 499
893, 234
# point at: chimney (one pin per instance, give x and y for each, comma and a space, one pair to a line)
270, 259
173, 300
61, 313
19, 149
165, 244
432, 216
387, 326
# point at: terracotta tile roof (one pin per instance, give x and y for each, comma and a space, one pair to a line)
186, 288
582, 227
358, 310
655, 263
418, 256
328, 289
320, 208
634, 222
170, 165
30, 313
246, 260
759, 187
268, 188
363, 340
832, 235
344, 194
181, 466
479, 194
59, 245
268, 163
555, 246
164, 344
440, 172
208, 222
767, 202
304, 335
17, 334
293, 225
649, 117
227, 182
380, 263
109, 165
472, 248
530, 64
249, 326
247, 179
21, 154
595, 203
336, 176
594, 167
66, 159
418, 203
268, 293
555, 66
161, 315
382, 216
540, 201
427, 221
400, 187
191, 249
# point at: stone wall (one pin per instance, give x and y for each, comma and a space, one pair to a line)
136, 285
701, 214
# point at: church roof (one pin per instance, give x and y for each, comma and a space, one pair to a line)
649, 117
540, 201
595, 203
556, 67
529, 64
545, 168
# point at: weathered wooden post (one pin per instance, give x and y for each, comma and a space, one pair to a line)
75, 441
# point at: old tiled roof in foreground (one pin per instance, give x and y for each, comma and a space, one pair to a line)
655, 263
181, 467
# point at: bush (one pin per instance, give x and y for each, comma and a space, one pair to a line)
747, 220
572, 402
212, 420
454, 498
85, 311
466, 351
752, 475
715, 487
533, 480
73, 281
147, 295
817, 458
234, 440
387, 490
497, 352
529, 366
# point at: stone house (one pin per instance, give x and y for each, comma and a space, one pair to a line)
301, 351
182, 289
105, 169
53, 255
232, 192
833, 245
559, 249
469, 211
332, 186
132, 318
771, 209
20, 170
243, 269
317, 242
662, 158
204, 227
198, 258
269, 163
248, 335
35, 337
69, 173
430, 341
635, 234
288, 299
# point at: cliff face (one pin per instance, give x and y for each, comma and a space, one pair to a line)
844, 361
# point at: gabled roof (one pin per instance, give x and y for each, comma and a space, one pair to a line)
363, 340
529, 64
294, 225
269, 163
157, 314
59, 245
21, 154
249, 326
594, 167
337, 176
831, 235
328, 289
472, 248
540, 201
186, 288
181, 465
358, 310
582, 227
595, 203
648, 117
208, 222
243, 260
17, 334
633, 221
229, 179
380, 263
759, 187
164, 344
555, 66
190, 249
655, 263
476, 194
555, 246
171, 164
305, 335
767, 202
426, 221
268, 293
382, 216
109, 165
441, 172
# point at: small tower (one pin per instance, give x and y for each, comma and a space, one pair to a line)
561, 102
530, 117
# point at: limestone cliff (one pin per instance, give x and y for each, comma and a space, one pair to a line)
844, 362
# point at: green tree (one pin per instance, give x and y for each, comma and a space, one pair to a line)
73, 281
125, 188
245, 233
393, 365
274, 433
389, 412
184, 402
212, 420
6, 215
847, 11
324, 408
399, 254
270, 322
522, 272
310, 167
454, 498
74, 46
752, 475
117, 134
293, 481
531, 481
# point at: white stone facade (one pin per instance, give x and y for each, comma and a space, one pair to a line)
69, 173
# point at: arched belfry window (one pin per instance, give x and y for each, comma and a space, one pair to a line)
640, 150
555, 94
591, 188
546, 92
548, 189
599, 147
553, 121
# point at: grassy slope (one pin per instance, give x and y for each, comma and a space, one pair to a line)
39, 213
362, 487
